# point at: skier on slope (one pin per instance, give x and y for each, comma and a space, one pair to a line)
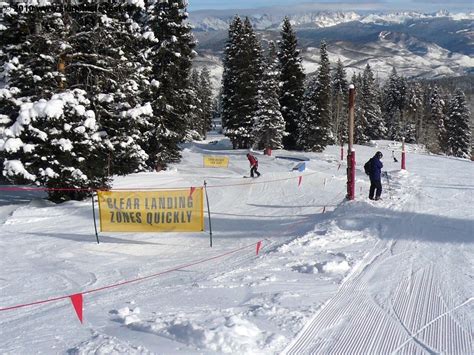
253, 165
376, 176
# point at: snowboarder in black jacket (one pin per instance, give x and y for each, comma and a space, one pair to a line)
376, 176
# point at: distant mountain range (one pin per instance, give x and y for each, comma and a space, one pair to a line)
417, 44
203, 21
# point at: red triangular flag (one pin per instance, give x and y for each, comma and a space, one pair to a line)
259, 244
77, 303
192, 190
299, 180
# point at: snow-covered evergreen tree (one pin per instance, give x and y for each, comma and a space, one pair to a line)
53, 143
196, 117
230, 81
241, 81
339, 102
250, 76
32, 43
104, 60
291, 83
323, 101
370, 109
360, 122
437, 123
459, 132
171, 92
205, 100
309, 128
48, 138
269, 128
315, 127
393, 104
413, 113
200, 122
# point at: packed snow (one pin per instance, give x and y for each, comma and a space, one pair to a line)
332, 276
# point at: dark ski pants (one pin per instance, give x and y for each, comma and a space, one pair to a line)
254, 170
375, 185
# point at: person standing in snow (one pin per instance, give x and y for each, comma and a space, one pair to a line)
376, 176
253, 165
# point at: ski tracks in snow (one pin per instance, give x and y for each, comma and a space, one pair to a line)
419, 316
399, 300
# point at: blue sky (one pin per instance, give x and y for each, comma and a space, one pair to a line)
426, 5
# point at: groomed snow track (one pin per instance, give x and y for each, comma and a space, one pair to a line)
420, 317
410, 294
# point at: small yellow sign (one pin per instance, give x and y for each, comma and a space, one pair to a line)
216, 161
152, 211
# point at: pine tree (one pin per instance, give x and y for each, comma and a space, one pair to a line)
230, 82
241, 81
323, 100
339, 96
171, 95
458, 119
49, 138
196, 117
360, 120
413, 113
53, 143
393, 105
206, 100
201, 114
250, 75
103, 59
437, 121
309, 126
425, 129
33, 41
315, 130
370, 109
269, 128
292, 83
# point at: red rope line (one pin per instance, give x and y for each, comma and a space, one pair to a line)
127, 281
145, 277
27, 188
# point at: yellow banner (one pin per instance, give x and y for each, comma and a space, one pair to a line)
216, 161
153, 211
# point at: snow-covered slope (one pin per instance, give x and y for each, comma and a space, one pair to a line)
332, 276
418, 45
410, 56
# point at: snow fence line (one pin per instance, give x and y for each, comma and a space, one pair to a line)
77, 298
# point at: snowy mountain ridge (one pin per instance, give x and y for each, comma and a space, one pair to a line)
321, 19
417, 44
